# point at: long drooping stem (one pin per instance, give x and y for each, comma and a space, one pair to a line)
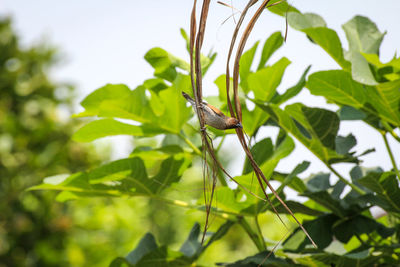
391, 155
197, 151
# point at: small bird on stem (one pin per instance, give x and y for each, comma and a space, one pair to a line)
214, 117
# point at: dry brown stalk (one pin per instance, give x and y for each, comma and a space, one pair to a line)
259, 174
196, 41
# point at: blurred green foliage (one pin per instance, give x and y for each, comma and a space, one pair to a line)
35, 133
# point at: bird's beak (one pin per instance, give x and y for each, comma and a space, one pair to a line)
239, 125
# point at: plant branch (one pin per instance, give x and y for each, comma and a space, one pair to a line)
197, 151
390, 130
192, 146
220, 213
353, 186
253, 235
220, 143
391, 155
260, 234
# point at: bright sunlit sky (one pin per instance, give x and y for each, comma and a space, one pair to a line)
104, 42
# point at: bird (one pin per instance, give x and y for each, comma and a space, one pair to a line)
214, 117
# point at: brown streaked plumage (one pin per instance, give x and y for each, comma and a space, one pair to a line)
214, 117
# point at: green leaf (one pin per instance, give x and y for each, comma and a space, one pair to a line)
261, 151
109, 127
281, 151
176, 113
220, 82
265, 258
221, 232
207, 61
186, 38
389, 70
273, 43
281, 8
122, 177
320, 229
121, 103
385, 98
358, 172
254, 120
386, 188
328, 40
350, 113
226, 200
292, 178
166, 109
164, 63
108, 92
292, 91
250, 182
153, 156
170, 172
338, 189
163, 256
315, 28
191, 247
361, 259
265, 81
324, 123
345, 144
360, 70
118, 170
315, 128
301, 21
337, 86
346, 228
328, 201
363, 37
246, 61
146, 245
120, 262
318, 182
297, 207
155, 84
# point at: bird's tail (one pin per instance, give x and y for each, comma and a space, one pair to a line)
188, 98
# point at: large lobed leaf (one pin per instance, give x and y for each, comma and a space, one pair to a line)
382, 100
122, 177
314, 127
164, 111
386, 187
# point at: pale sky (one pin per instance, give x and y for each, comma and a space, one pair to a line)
105, 41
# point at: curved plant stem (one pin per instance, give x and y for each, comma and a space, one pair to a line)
260, 234
197, 151
353, 186
192, 146
220, 213
391, 155
390, 130
253, 236
256, 238
220, 143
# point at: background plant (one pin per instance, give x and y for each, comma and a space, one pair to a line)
340, 221
34, 142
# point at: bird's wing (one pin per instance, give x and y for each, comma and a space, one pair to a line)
216, 111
